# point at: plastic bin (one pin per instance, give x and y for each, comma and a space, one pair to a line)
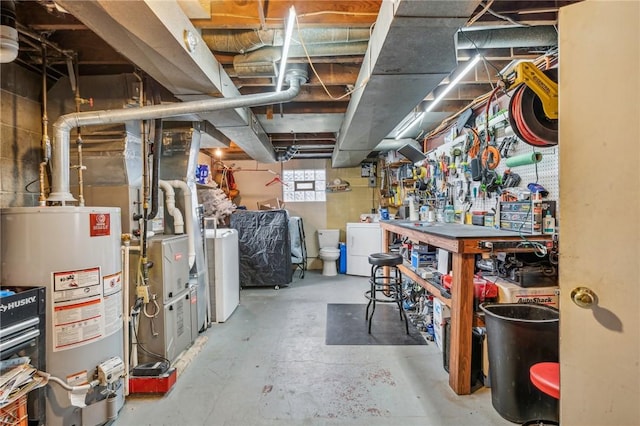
520, 335
342, 264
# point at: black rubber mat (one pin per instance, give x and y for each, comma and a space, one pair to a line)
347, 325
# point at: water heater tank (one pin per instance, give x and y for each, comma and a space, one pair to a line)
75, 253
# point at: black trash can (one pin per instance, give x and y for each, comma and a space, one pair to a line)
520, 335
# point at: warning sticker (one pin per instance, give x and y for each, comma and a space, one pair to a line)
76, 285
77, 323
100, 224
112, 285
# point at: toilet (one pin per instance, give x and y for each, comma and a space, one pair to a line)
329, 252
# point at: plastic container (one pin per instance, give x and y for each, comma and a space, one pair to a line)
520, 335
342, 263
449, 214
549, 224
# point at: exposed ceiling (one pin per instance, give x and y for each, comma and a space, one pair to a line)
376, 64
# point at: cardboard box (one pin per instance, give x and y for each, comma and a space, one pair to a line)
438, 332
419, 260
509, 292
443, 261
440, 311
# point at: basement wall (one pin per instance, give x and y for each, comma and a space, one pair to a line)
20, 136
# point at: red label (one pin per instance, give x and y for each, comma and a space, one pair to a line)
100, 224
177, 256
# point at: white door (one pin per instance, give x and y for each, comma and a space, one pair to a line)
599, 233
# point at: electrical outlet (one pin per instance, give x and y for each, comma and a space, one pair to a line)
372, 181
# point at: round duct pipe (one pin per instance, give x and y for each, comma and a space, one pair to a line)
494, 38
8, 32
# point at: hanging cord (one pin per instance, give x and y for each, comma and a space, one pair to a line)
481, 13
147, 351
306, 52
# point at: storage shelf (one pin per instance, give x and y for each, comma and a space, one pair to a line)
406, 270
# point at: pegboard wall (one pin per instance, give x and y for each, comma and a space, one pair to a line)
545, 172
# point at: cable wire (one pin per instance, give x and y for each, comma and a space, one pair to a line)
480, 14
148, 352
306, 52
506, 18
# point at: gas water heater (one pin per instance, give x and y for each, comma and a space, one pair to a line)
75, 253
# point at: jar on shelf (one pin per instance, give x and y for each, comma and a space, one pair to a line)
449, 214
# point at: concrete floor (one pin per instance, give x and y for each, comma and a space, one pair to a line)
269, 365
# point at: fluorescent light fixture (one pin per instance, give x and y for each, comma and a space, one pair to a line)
404, 130
285, 47
472, 63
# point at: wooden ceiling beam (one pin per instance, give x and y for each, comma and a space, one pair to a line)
295, 107
335, 13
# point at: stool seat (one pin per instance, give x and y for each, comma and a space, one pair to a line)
386, 284
385, 259
546, 377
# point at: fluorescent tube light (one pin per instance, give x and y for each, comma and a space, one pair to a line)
472, 63
409, 125
285, 47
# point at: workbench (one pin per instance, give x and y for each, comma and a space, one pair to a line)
464, 242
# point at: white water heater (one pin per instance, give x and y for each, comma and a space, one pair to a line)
75, 253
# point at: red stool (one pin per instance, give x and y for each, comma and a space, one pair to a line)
546, 377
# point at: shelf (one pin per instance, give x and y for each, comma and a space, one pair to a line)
409, 272
399, 164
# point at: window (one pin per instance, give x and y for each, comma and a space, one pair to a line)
306, 185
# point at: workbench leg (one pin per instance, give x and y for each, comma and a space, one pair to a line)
461, 323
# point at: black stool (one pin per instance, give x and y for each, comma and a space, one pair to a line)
385, 288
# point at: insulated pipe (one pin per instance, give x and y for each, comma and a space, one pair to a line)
468, 38
272, 54
170, 200
186, 193
63, 125
243, 41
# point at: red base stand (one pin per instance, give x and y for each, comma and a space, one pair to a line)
153, 384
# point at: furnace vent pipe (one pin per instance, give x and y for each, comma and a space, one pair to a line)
63, 125
170, 200
186, 193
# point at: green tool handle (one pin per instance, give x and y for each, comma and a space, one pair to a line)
524, 159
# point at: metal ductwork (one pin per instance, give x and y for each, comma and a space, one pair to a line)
399, 69
395, 144
495, 38
262, 62
153, 35
63, 125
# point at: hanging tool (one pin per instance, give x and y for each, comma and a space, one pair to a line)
490, 157
533, 87
506, 145
510, 179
